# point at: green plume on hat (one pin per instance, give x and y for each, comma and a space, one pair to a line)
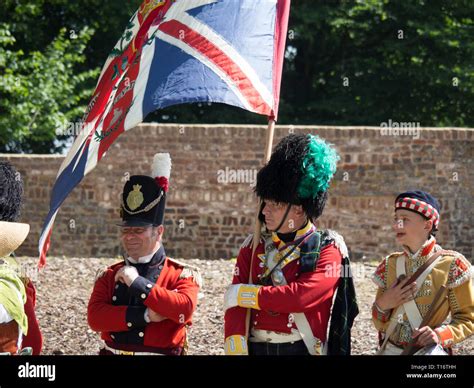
318, 167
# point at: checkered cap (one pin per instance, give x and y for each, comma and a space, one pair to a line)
420, 202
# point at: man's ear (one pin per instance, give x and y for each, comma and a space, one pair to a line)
158, 232
161, 230
298, 210
428, 225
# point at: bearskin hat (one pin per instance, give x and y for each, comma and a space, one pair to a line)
299, 172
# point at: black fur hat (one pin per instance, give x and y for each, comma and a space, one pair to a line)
11, 192
298, 172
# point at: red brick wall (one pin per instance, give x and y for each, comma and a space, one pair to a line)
209, 219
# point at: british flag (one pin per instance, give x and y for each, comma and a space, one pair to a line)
175, 52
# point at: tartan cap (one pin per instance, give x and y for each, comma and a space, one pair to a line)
420, 202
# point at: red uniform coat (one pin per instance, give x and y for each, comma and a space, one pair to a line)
310, 292
173, 295
34, 339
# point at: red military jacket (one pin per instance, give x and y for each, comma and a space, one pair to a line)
165, 286
309, 292
34, 338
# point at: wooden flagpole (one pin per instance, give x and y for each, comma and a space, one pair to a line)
258, 224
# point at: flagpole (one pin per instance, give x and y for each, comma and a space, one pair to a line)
258, 224
266, 158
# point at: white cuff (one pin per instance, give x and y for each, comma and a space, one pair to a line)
4, 316
231, 296
146, 316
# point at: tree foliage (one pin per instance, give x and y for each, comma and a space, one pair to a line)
347, 63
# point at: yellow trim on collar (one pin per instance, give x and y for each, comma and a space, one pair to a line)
299, 233
304, 230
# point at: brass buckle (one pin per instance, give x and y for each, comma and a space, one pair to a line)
318, 347
125, 353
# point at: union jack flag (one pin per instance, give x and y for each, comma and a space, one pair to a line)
175, 52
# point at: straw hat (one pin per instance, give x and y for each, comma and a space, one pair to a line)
12, 235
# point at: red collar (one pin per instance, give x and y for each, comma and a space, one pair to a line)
425, 249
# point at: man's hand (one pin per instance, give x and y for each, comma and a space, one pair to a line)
396, 295
126, 274
154, 316
425, 336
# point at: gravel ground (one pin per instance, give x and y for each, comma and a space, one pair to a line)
64, 287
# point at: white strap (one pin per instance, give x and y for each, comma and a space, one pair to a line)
390, 350
410, 307
390, 329
311, 342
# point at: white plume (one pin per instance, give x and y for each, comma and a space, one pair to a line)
161, 165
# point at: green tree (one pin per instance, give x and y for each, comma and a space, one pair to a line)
347, 63
40, 93
364, 62
51, 53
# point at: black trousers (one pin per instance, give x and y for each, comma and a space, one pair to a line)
297, 348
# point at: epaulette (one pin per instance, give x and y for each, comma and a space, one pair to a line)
188, 270
460, 270
331, 236
102, 271
249, 240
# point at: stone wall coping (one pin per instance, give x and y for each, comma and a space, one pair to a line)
249, 126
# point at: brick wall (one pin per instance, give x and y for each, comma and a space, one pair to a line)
209, 216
